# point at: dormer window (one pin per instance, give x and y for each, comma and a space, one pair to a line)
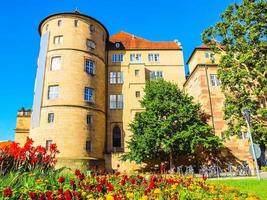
117, 45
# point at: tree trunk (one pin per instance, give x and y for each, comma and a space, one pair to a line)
171, 160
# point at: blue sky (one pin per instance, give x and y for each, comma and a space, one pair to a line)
151, 19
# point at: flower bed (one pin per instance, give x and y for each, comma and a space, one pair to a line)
113, 187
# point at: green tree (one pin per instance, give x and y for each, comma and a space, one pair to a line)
242, 34
171, 125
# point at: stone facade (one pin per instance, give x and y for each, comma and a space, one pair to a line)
22, 126
96, 132
203, 85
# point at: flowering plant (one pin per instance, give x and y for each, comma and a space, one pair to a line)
27, 158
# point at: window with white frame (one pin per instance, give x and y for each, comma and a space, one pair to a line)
119, 77
90, 44
55, 63
116, 77
50, 118
58, 39
120, 101
113, 77
89, 94
155, 74
153, 57
90, 66
214, 80
135, 58
117, 58
112, 101
53, 91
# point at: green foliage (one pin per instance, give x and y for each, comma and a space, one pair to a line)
242, 33
170, 125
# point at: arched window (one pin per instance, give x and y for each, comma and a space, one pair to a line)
116, 136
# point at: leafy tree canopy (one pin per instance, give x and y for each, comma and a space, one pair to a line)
243, 67
170, 125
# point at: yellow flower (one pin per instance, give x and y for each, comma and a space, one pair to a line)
100, 198
89, 197
109, 197
144, 198
157, 191
130, 195
83, 194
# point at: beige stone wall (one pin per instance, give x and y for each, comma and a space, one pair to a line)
70, 130
172, 67
199, 87
198, 57
22, 126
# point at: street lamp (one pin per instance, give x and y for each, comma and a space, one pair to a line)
246, 113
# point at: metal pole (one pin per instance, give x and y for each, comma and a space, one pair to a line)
253, 150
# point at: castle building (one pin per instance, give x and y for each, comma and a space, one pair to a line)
88, 86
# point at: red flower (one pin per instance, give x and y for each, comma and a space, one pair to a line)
40, 150
67, 195
53, 148
77, 172
61, 179
7, 192
49, 195
72, 182
122, 182
33, 195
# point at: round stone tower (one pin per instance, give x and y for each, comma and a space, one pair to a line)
69, 106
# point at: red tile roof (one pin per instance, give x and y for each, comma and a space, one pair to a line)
4, 144
129, 41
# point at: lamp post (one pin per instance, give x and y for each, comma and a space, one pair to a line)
246, 113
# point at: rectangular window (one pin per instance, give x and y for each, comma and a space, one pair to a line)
116, 77
59, 23
135, 58
89, 119
113, 77
88, 146
55, 63
153, 57
76, 23
48, 144
90, 44
53, 91
58, 39
214, 80
50, 117
155, 74
88, 94
136, 72
119, 77
137, 94
117, 58
120, 101
112, 102
92, 28
90, 67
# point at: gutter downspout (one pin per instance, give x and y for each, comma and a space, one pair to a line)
211, 109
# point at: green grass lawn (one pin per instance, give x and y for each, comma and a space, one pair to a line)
259, 188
